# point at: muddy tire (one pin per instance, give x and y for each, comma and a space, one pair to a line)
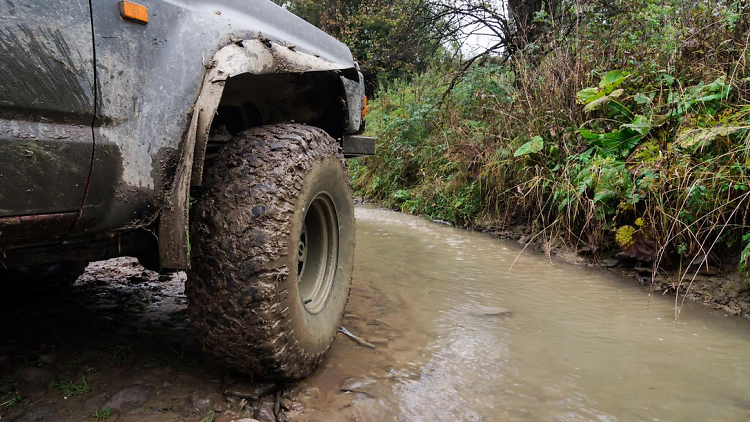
272, 241
44, 277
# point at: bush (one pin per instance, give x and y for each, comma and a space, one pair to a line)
601, 134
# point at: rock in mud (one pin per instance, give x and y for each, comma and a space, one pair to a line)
610, 262
202, 401
39, 413
481, 310
129, 397
708, 271
265, 413
358, 385
94, 403
36, 377
643, 270
250, 392
307, 396
378, 341
721, 298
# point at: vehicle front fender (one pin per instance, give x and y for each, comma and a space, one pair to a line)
252, 56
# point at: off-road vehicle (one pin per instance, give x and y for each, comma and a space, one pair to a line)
200, 136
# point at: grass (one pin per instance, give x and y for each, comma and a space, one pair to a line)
14, 400
70, 388
101, 414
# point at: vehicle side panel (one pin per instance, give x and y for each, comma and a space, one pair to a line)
149, 77
46, 108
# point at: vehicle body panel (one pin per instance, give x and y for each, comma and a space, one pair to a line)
113, 143
148, 79
46, 108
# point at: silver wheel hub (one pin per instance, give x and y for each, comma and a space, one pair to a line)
317, 253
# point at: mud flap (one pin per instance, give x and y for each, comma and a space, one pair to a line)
358, 146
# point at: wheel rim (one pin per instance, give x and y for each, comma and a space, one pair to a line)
317, 253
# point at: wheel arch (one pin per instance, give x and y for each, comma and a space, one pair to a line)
240, 76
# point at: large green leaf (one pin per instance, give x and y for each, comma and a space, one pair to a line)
697, 138
618, 142
597, 103
536, 144
607, 87
641, 124
588, 95
612, 80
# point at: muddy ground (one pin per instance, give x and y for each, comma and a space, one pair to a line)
117, 346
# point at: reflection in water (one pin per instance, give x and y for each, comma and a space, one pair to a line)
462, 338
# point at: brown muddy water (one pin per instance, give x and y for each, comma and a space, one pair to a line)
458, 336
470, 339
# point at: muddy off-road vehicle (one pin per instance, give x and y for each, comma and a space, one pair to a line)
206, 136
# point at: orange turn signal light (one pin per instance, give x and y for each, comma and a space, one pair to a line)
364, 109
134, 12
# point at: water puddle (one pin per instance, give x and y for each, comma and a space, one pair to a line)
459, 337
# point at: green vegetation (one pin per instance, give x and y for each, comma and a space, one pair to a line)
619, 126
102, 415
70, 388
382, 34
12, 401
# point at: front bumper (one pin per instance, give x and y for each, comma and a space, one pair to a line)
358, 146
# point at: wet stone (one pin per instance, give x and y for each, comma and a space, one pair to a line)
202, 401
380, 341
498, 311
709, 271
250, 392
94, 403
129, 397
610, 262
721, 298
36, 377
39, 413
235, 404
358, 385
307, 396
622, 256
264, 413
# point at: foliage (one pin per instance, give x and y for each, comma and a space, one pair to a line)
381, 33
70, 388
631, 132
12, 401
745, 255
101, 415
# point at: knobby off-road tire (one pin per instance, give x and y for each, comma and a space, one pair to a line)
272, 241
43, 277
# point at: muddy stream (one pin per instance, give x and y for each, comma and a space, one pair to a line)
458, 336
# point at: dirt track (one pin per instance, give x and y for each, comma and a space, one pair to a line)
118, 339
